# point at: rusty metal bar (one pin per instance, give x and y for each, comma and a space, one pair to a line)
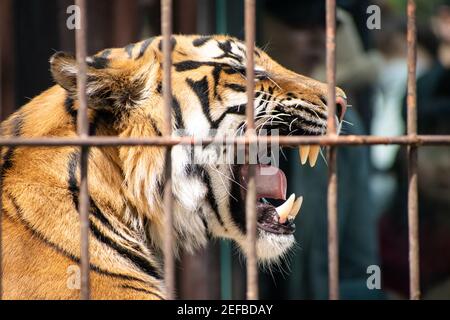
99, 141
83, 132
169, 263
250, 205
333, 240
413, 215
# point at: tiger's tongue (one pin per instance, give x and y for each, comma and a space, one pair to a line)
270, 181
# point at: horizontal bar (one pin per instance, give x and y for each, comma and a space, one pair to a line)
96, 141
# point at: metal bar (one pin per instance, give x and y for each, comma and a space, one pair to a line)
169, 263
331, 65
83, 132
250, 205
413, 216
333, 240
226, 267
98, 141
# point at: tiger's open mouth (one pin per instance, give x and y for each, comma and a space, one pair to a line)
275, 212
271, 185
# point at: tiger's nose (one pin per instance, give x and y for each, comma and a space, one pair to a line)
341, 107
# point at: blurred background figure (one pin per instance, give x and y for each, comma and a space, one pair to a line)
433, 90
294, 35
390, 88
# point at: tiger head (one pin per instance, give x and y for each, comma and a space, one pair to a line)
124, 86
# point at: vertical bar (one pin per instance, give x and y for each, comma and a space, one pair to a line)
83, 132
252, 271
169, 263
226, 268
413, 216
333, 240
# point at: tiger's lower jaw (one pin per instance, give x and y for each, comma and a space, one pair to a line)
272, 247
275, 224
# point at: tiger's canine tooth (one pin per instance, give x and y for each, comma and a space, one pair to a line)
284, 209
296, 208
303, 151
313, 154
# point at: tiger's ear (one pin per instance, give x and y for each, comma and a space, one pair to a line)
106, 86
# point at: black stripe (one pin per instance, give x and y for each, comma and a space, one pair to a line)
178, 115
129, 50
106, 53
154, 126
60, 250
144, 47
187, 65
142, 263
228, 52
216, 75
125, 286
312, 113
237, 206
16, 123
205, 226
201, 89
190, 65
74, 190
312, 123
235, 87
68, 105
200, 172
98, 63
72, 180
201, 41
239, 109
173, 43
139, 261
160, 185
159, 87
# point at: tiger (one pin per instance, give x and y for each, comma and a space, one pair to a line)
41, 185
